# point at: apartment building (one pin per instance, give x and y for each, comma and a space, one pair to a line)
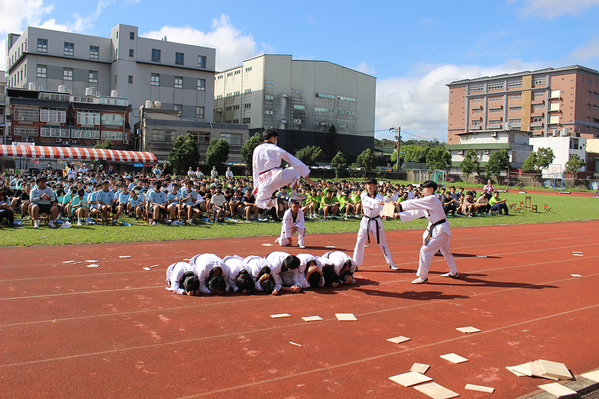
2, 107
543, 102
61, 119
180, 76
302, 99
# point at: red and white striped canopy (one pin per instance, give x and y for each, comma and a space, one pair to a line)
30, 151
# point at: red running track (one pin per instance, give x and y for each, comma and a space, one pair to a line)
71, 331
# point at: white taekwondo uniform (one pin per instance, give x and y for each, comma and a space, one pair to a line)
338, 259
290, 225
255, 264
268, 177
174, 273
203, 264
440, 233
304, 260
235, 264
371, 223
281, 278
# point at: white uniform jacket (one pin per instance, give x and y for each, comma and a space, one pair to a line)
255, 264
174, 273
276, 260
235, 264
431, 209
203, 264
338, 259
304, 260
268, 156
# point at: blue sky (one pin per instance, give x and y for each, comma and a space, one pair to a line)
413, 48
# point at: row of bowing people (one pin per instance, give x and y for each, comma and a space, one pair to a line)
272, 274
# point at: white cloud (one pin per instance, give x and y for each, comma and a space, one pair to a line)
232, 47
418, 103
586, 52
365, 68
555, 8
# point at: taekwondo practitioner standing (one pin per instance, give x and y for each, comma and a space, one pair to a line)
372, 206
212, 274
436, 236
268, 176
293, 222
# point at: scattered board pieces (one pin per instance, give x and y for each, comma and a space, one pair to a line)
150, 267
187, 259
481, 256
578, 254
329, 246
312, 318
91, 261
147, 268
548, 368
516, 371
93, 265
468, 329
346, 317
409, 379
265, 244
399, 340
452, 357
124, 256
69, 261
556, 389
593, 375
280, 315
575, 275
293, 343
480, 388
436, 391
420, 368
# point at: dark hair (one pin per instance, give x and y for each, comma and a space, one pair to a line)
268, 285
314, 278
217, 283
431, 184
346, 273
329, 274
191, 283
268, 133
291, 262
245, 282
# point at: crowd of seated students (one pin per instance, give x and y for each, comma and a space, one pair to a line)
87, 197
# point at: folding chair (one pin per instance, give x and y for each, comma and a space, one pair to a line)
547, 208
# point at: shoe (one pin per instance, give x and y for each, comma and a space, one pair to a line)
190, 222
51, 224
66, 225
248, 221
296, 196
36, 224
169, 221
393, 267
278, 240
345, 217
116, 223
154, 223
178, 223
450, 275
79, 223
420, 280
301, 246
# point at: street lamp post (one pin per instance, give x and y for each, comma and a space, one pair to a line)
398, 130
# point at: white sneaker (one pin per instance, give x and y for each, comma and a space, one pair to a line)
66, 225
51, 224
296, 196
301, 246
420, 280
169, 221
278, 240
154, 223
79, 223
36, 224
190, 222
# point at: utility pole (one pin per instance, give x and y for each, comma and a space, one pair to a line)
398, 130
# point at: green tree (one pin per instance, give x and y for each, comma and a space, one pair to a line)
309, 155
339, 164
184, 154
105, 145
470, 164
247, 151
573, 164
530, 163
415, 153
366, 159
217, 153
498, 161
438, 158
545, 157
332, 142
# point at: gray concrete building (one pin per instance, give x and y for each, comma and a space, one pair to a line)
2, 108
302, 99
180, 76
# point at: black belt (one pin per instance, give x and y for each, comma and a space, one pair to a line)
430, 230
378, 239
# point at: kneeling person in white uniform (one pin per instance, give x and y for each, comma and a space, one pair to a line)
437, 235
293, 222
240, 278
182, 280
212, 274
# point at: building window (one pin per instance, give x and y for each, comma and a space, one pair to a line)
247, 105
269, 82
177, 107
268, 112
94, 52
88, 118
155, 79
178, 82
268, 97
42, 45
131, 53
477, 100
112, 119
321, 95
539, 81
200, 112
515, 83
320, 109
245, 120
299, 107
247, 91
53, 115
237, 72
495, 98
496, 86
155, 55
41, 71
201, 84
130, 79
232, 138
537, 107
345, 98
297, 121
537, 119
476, 88
248, 69
67, 74
495, 110
179, 59
132, 35
69, 49
515, 109
93, 77
515, 96
201, 61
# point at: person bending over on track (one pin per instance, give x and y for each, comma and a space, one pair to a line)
310, 271
181, 279
284, 270
343, 265
437, 234
293, 222
212, 274
240, 278
372, 206
260, 270
268, 176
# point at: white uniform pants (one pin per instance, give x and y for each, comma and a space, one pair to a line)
272, 180
438, 242
286, 233
369, 226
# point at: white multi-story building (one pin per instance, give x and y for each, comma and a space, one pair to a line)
562, 146
2, 107
179, 76
301, 99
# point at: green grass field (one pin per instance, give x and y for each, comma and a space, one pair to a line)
563, 209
